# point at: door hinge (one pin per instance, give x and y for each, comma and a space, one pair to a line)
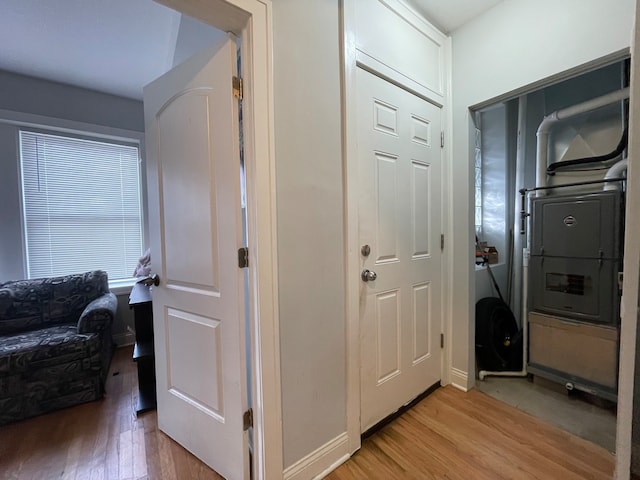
237, 88
442, 340
442, 139
247, 419
243, 257
442, 242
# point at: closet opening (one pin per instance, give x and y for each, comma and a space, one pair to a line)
550, 171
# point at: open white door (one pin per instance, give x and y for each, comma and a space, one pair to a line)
195, 226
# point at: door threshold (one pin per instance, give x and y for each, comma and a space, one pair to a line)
390, 418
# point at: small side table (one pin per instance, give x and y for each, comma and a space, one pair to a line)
143, 353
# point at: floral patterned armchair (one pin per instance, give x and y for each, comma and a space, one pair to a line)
55, 342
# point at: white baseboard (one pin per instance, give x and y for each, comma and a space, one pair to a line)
125, 338
321, 462
459, 379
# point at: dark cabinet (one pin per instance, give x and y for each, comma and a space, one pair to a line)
143, 353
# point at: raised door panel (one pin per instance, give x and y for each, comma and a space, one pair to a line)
421, 323
188, 213
387, 336
387, 207
193, 354
399, 170
420, 208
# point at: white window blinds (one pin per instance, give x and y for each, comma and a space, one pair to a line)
82, 208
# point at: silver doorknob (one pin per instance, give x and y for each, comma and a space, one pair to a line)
368, 275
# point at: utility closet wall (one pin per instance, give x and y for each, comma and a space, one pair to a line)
497, 128
55, 104
502, 53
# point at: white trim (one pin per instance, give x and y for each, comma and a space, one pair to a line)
459, 379
367, 62
320, 462
447, 220
54, 124
352, 57
261, 219
251, 20
631, 268
352, 254
119, 287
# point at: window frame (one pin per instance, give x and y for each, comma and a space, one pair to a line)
88, 131
82, 138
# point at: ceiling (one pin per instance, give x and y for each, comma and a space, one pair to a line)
449, 15
117, 46
113, 46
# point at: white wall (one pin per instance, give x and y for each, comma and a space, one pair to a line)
55, 104
308, 149
484, 284
25, 94
194, 36
516, 44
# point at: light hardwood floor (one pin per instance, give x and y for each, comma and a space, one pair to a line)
449, 435
101, 440
471, 436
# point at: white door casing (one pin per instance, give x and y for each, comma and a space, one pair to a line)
399, 209
192, 134
626, 449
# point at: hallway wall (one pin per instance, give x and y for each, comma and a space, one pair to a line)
308, 148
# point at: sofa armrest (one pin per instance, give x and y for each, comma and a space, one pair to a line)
98, 314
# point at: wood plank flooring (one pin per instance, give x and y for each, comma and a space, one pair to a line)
449, 435
456, 435
101, 440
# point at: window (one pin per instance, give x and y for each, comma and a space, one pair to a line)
81, 205
478, 182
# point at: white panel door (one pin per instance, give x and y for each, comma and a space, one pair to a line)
195, 227
399, 159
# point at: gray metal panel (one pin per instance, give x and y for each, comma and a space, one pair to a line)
584, 289
586, 226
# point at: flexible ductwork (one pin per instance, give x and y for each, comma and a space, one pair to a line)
542, 145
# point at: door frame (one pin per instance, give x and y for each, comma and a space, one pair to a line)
251, 21
629, 311
351, 61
